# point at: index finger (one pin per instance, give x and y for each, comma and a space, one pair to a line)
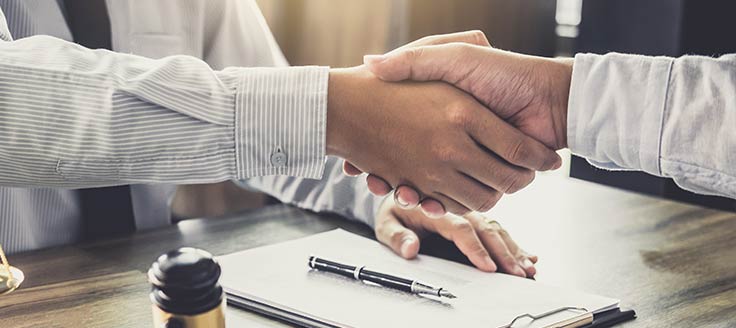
461, 232
498, 249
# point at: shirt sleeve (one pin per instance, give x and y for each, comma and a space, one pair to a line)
74, 117
335, 193
239, 35
670, 117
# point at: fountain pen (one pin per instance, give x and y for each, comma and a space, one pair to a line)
362, 274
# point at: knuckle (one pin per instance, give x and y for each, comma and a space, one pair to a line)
517, 151
479, 37
396, 237
459, 115
433, 178
490, 230
414, 54
445, 153
462, 226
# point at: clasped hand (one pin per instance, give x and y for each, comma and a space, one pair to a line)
515, 119
432, 137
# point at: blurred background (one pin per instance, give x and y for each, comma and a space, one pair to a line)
339, 33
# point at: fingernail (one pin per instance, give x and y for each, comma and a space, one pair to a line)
399, 200
405, 244
373, 59
432, 211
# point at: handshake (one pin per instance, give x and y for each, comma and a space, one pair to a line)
449, 122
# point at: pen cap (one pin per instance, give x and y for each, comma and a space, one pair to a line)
185, 282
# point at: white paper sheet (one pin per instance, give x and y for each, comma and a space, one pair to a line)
279, 275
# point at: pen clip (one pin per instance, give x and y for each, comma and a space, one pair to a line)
543, 315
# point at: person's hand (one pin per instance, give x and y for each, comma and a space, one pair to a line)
431, 136
484, 184
488, 246
528, 92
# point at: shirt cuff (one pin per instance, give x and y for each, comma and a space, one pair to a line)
616, 108
281, 121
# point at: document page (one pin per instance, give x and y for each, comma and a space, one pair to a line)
279, 275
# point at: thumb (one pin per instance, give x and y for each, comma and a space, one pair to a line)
475, 37
426, 63
390, 232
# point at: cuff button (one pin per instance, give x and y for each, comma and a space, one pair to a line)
278, 158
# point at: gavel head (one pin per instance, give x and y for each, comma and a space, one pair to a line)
185, 290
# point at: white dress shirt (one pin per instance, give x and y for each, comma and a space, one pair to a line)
671, 117
71, 117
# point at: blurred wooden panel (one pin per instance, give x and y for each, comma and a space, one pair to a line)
427, 17
339, 33
526, 26
329, 32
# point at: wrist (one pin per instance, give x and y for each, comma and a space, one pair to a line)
560, 95
346, 98
337, 105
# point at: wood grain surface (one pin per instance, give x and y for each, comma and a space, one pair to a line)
675, 264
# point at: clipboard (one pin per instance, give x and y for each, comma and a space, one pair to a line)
585, 320
275, 281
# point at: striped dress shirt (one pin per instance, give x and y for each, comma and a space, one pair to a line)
72, 117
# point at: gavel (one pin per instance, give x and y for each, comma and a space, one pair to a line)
185, 290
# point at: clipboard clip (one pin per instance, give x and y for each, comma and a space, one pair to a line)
550, 313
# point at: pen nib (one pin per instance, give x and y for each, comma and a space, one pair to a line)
444, 293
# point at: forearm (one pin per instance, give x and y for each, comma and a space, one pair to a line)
72, 117
668, 117
334, 193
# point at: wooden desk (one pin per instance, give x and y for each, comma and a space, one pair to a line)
675, 264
